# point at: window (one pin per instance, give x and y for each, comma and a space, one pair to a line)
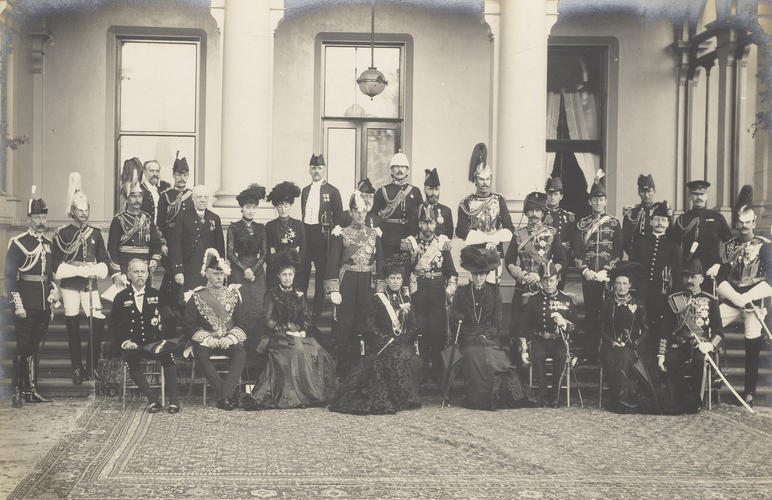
361, 134
576, 93
158, 101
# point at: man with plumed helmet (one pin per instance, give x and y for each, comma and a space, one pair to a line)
443, 216
284, 233
353, 274
597, 248
246, 249
483, 216
29, 283
745, 282
321, 207
700, 231
531, 246
432, 268
397, 204
132, 232
214, 323
367, 192
564, 221
80, 257
691, 329
636, 222
171, 203
195, 231
547, 316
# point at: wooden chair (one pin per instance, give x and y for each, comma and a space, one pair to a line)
153, 371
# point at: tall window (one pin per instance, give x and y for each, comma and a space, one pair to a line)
576, 93
158, 101
360, 134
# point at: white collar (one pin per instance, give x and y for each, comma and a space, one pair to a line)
138, 292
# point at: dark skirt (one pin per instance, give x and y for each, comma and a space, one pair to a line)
381, 384
631, 381
252, 314
490, 379
299, 373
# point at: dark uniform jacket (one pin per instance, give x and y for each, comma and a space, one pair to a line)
444, 217
132, 236
483, 214
706, 228
397, 206
537, 314
171, 203
660, 260
687, 313
140, 327
636, 224
746, 263
532, 246
330, 205
73, 245
148, 203
29, 271
597, 242
479, 309
191, 237
624, 322
564, 222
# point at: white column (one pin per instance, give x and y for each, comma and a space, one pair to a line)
247, 95
36, 60
522, 97
726, 49
491, 14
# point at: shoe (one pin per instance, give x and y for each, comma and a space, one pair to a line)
749, 400
225, 404
77, 376
34, 396
154, 407
173, 408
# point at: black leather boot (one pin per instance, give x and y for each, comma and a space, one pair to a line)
73, 340
18, 381
31, 393
94, 348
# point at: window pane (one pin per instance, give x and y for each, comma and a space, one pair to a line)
381, 146
342, 96
161, 149
575, 86
158, 86
341, 160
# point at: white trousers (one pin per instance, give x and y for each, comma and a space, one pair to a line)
731, 314
73, 300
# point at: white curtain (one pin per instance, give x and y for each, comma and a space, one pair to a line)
582, 118
553, 114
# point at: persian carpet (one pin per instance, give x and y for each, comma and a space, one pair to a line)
204, 452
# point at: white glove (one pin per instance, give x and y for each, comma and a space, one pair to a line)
712, 270
188, 352
526, 358
705, 347
120, 280
661, 362
128, 345
588, 274
560, 321
20, 312
336, 298
179, 278
450, 290
601, 276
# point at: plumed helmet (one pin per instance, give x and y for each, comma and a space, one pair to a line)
478, 163
36, 205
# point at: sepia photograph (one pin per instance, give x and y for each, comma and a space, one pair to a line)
381, 249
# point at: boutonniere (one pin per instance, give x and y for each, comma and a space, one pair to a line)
289, 236
632, 307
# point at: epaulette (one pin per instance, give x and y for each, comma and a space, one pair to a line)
764, 239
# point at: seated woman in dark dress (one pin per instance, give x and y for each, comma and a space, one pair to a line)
299, 372
386, 380
490, 379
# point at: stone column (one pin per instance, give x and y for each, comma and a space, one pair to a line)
37, 42
522, 98
247, 95
726, 50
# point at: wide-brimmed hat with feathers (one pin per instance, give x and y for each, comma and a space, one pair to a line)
479, 259
284, 191
478, 163
252, 194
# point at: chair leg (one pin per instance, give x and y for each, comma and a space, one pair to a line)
123, 396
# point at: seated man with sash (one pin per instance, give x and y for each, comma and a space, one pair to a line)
212, 319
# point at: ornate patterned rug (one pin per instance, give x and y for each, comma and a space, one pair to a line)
432, 452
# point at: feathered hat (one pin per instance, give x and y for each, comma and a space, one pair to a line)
478, 163
212, 260
743, 203
252, 194
395, 264
284, 191
479, 259
432, 179
76, 198
180, 164
625, 268
36, 205
131, 175
365, 186
284, 259
357, 202
661, 209
598, 184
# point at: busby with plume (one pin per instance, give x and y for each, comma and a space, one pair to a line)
535, 200
180, 164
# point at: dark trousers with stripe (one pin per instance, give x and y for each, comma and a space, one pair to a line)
316, 253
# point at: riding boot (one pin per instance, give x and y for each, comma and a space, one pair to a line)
31, 393
94, 347
18, 380
73, 340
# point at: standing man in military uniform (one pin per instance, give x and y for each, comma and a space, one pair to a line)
397, 204
699, 231
744, 281
564, 221
531, 247
80, 257
691, 329
483, 217
132, 236
30, 286
443, 216
597, 247
636, 222
195, 231
171, 203
321, 208
435, 280
548, 316
660, 261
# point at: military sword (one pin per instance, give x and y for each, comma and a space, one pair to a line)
757, 313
